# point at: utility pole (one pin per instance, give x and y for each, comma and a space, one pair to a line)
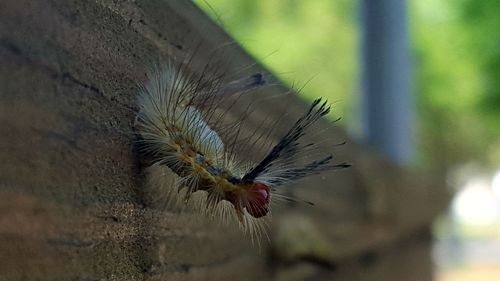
387, 107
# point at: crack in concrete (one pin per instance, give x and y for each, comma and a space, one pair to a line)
65, 75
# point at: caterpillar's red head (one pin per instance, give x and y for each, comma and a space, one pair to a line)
257, 201
253, 197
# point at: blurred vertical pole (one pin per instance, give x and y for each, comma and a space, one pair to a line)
386, 101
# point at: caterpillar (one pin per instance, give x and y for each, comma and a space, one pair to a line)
180, 126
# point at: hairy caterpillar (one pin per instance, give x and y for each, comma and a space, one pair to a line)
180, 125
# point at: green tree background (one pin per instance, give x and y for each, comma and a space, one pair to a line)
456, 58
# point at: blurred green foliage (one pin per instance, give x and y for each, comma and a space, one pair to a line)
309, 44
457, 62
456, 46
